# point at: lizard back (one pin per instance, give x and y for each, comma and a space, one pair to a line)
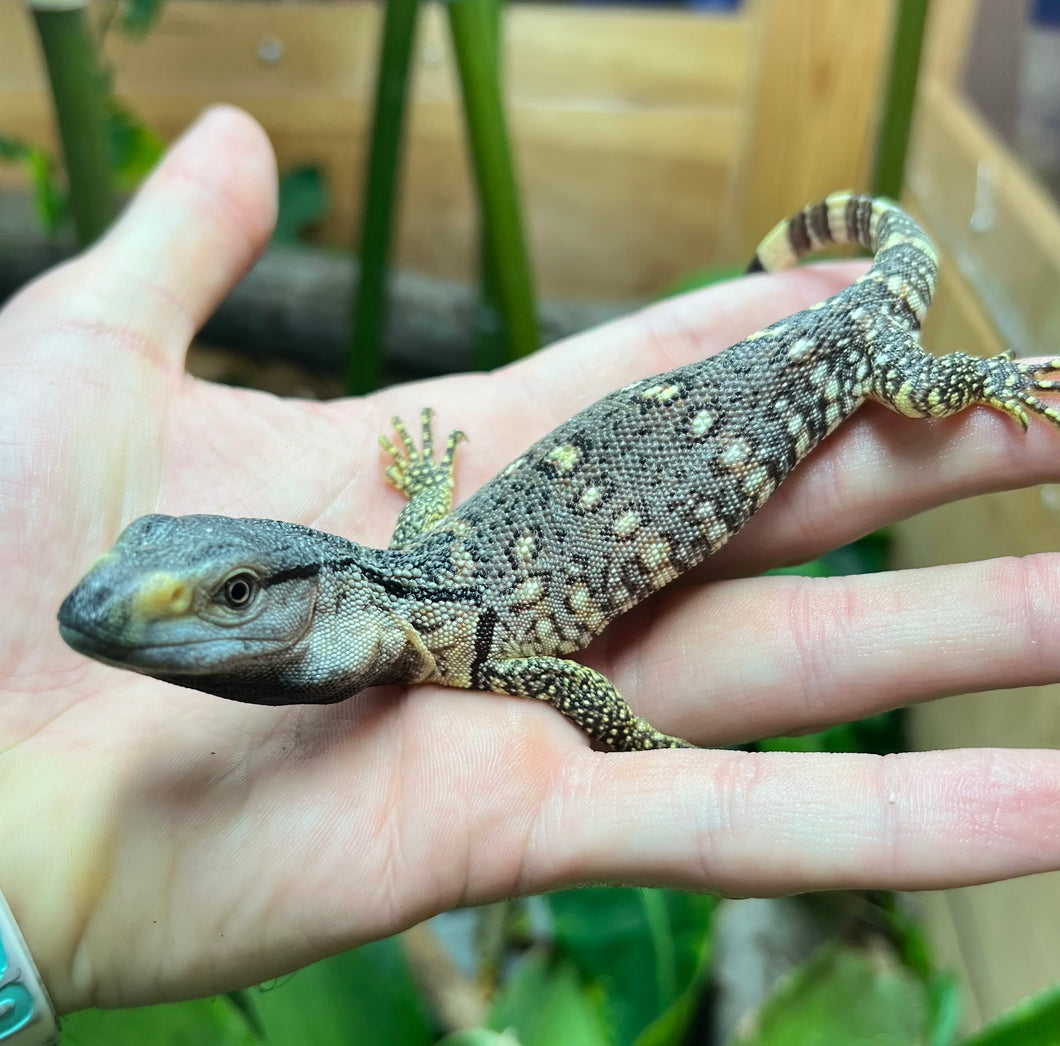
644, 484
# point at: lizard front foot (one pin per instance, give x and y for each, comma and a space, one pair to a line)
428, 484
414, 470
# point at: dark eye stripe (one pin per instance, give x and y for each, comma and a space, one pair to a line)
299, 573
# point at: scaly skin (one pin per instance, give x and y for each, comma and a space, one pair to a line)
608, 508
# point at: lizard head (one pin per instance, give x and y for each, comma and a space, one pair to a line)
229, 606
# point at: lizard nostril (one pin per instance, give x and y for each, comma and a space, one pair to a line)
162, 595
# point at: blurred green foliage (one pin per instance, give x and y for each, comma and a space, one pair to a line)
133, 148
367, 992
136, 17
1032, 1022
841, 994
48, 195
645, 952
617, 967
302, 201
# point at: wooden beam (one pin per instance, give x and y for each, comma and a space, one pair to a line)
811, 111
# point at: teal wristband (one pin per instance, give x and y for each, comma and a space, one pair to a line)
27, 1017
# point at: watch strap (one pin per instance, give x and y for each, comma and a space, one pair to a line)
27, 1017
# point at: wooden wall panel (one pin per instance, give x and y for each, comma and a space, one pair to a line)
812, 115
1002, 228
626, 123
644, 138
947, 40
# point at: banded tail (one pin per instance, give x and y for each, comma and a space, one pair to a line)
872, 222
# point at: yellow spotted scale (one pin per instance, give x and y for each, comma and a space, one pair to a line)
606, 509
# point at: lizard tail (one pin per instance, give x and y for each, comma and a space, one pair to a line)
872, 222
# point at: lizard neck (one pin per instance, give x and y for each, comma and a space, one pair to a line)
434, 590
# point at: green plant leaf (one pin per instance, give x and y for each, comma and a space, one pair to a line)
48, 195
841, 995
641, 948
241, 1000
944, 1008
1033, 1022
543, 1003
880, 734
673, 1023
366, 996
51, 200
694, 281
943, 992
139, 15
303, 200
12, 150
134, 147
480, 1037
869, 555
215, 1021
813, 568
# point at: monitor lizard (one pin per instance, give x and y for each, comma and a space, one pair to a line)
593, 518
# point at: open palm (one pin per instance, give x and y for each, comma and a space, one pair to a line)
158, 842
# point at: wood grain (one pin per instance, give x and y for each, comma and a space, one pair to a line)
811, 113
626, 124
950, 25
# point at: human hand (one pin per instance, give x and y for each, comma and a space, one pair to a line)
160, 843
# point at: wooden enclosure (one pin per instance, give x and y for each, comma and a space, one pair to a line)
649, 143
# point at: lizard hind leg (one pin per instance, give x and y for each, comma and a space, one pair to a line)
583, 695
428, 484
919, 385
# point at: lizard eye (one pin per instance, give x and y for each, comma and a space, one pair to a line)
239, 589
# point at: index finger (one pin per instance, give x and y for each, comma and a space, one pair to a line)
672, 333
504, 412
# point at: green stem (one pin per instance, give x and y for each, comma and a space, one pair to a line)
473, 27
78, 94
892, 140
662, 938
491, 345
380, 188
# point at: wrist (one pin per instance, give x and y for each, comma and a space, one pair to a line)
39, 876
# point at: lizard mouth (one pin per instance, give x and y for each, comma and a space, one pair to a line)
124, 655
176, 658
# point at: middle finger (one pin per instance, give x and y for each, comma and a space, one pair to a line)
739, 660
